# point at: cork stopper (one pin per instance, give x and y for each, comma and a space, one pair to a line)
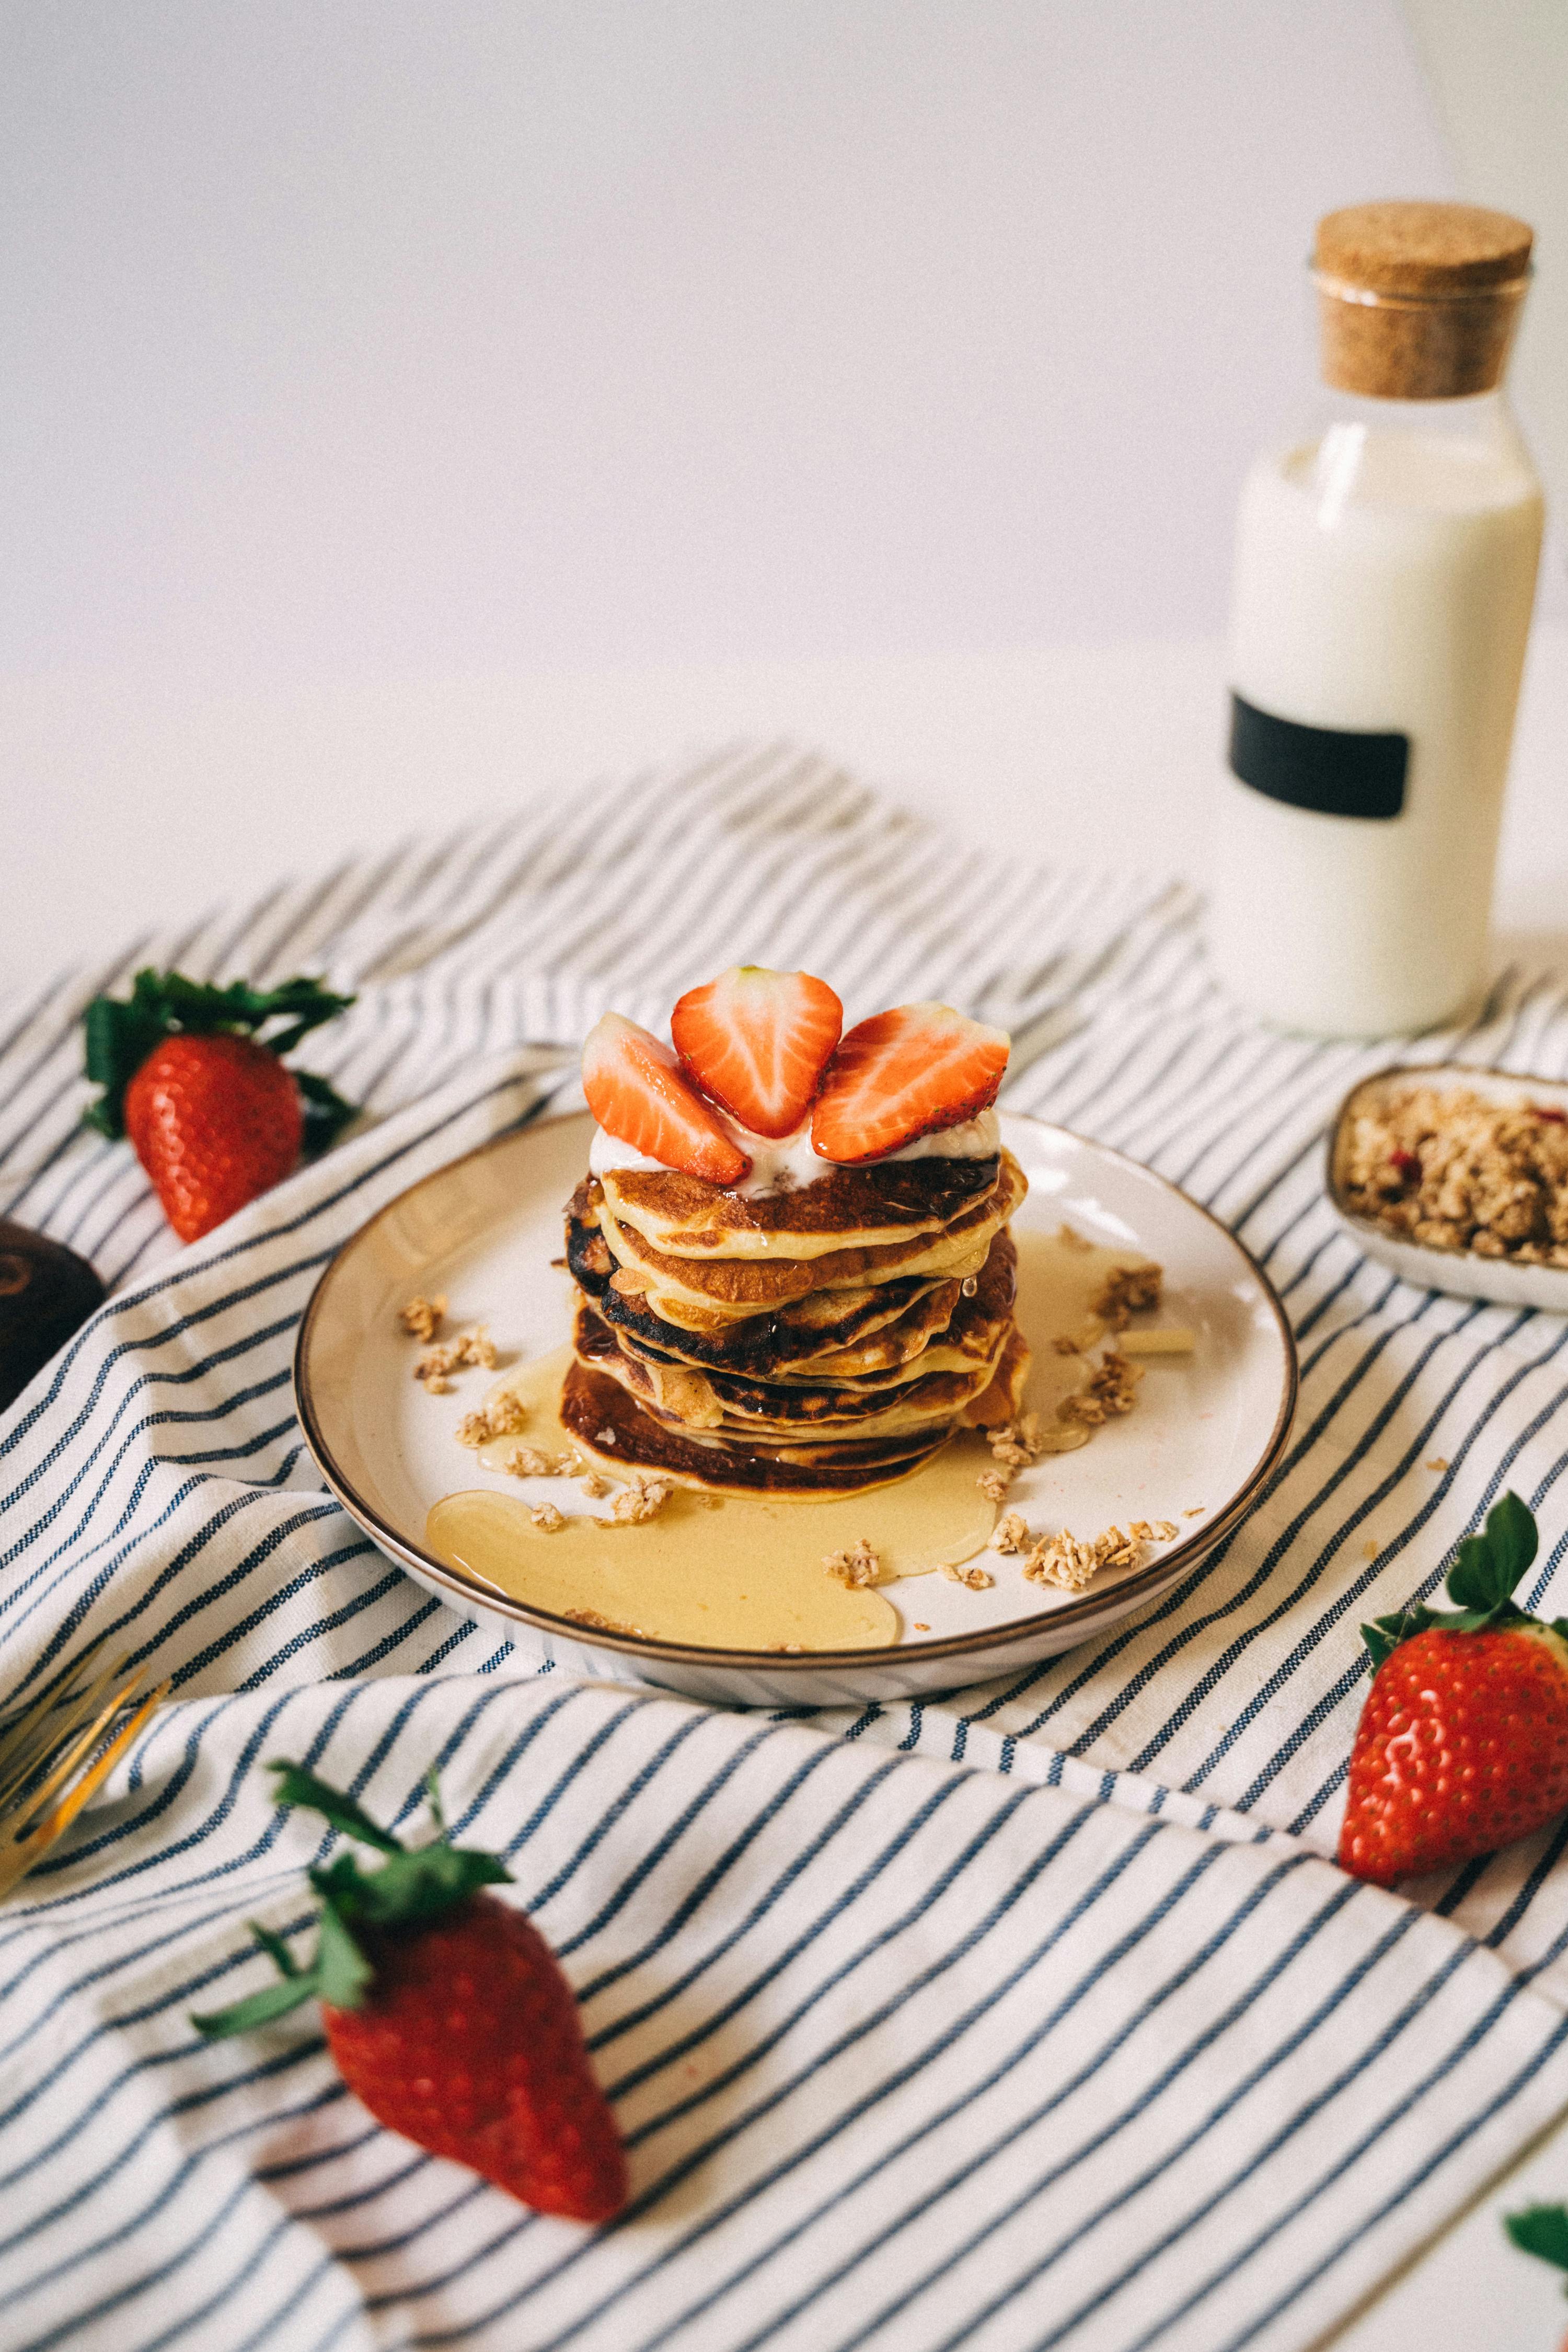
1420, 301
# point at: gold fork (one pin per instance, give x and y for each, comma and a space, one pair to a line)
58, 1750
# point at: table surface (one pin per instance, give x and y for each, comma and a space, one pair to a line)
133, 799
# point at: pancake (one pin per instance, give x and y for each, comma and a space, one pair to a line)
810, 1340
920, 1326
688, 1315
1003, 1400
863, 1208
802, 1328
609, 1424
776, 1413
736, 1286
970, 1334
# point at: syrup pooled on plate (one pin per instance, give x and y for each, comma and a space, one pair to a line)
735, 1572
722, 1572
1061, 1279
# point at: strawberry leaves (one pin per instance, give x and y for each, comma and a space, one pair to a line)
1543, 2230
1385, 1634
326, 1113
297, 1785
122, 1033
1489, 1566
1487, 1569
412, 1888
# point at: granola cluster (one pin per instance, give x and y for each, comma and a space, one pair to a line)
1129, 1289
859, 1565
641, 1501
503, 1417
1457, 1172
1014, 1444
1067, 1561
1111, 1389
436, 1366
528, 1462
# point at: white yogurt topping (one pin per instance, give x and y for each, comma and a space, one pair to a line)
791, 1160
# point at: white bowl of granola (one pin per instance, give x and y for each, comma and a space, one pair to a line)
1457, 1178
1160, 1421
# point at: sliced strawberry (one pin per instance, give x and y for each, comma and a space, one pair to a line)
637, 1094
758, 1042
902, 1073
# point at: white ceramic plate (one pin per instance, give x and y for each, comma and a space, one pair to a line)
1206, 1432
1459, 1271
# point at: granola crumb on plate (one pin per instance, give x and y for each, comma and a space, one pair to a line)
1129, 1289
640, 1502
857, 1566
1067, 1560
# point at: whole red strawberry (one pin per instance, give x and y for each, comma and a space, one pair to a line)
446, 2014
211, 1110
214, 1121
1463, 1741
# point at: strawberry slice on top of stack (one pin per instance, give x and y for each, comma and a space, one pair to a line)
765, 1050
766, 1190
757, 1043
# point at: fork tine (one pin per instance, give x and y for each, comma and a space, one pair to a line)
44, 1726
67, 1759
53, 1689
17, 1857
55, 1692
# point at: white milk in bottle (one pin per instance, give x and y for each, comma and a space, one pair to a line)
1385, 572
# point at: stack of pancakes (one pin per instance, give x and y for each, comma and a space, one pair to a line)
810, 1340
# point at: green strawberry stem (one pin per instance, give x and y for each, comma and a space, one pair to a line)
1482, 1581
1540, 2230
122, 1033
411, 1888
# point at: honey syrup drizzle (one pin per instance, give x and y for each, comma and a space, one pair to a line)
737, 1572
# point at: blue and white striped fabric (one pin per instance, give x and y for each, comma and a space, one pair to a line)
1034, 2017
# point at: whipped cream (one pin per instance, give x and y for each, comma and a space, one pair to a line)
789, 1161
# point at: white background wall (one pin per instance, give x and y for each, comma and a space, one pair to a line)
410, 403
366, 334
1498, 72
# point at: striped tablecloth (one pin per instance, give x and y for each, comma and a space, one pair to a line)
1035, 2016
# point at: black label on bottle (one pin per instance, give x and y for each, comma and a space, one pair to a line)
1330, 769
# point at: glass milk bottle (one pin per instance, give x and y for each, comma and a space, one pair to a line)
1385, 572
